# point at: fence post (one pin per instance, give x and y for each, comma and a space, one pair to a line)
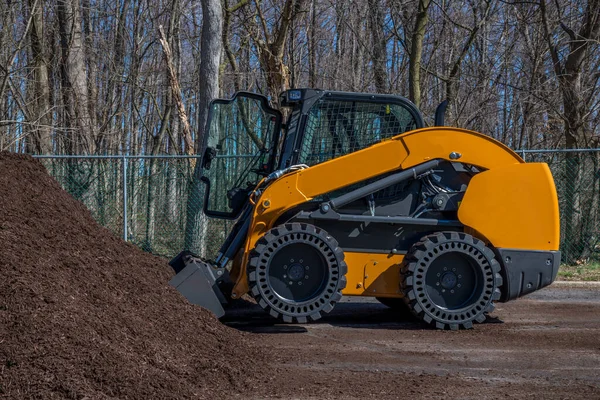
523, 154
124, 161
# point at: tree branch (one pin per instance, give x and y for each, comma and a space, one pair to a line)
175, 88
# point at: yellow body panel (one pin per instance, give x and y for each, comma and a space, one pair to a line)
474, 148
373, 274
514, 207
400, 152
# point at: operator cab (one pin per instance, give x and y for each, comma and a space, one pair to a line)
324, 125
243, 145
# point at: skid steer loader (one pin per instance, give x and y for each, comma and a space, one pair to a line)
354, 196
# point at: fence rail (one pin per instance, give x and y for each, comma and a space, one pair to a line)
149, 200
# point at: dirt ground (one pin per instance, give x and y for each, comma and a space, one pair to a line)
544, 346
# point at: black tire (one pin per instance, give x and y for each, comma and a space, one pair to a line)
297, 272
450, 280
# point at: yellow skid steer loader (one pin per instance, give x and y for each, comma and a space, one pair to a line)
354, 196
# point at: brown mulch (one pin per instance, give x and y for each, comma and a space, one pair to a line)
85, 315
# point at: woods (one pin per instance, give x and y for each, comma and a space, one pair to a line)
91, 77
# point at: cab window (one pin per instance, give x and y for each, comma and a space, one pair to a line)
336, 128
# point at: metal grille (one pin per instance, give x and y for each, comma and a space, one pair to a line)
335, 128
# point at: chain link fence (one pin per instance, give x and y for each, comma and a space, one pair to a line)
156, 202
576, 175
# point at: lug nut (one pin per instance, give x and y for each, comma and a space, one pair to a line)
452, 291
439, 274
285, 267
459, 285
300, 283
301, 261
285, 276
291, 283
437, 284
306, 267
305, 276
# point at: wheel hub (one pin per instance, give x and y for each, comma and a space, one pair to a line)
449, 280
296, 272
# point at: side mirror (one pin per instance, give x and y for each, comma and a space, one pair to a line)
440, 113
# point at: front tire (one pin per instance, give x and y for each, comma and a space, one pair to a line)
297, 272
450, 280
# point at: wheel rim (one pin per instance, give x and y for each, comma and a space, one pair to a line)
453, 281
298, 272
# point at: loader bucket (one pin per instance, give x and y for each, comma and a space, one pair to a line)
199, 281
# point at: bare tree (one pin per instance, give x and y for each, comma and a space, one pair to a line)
271, 43
379, 45
42, 137
74, 78
210, 42
416, 52
569, 68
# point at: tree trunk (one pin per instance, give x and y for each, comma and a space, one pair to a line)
210, 53
42, 111
153, 182
416, 53
312, 51
74, 78
272, 48
379, 43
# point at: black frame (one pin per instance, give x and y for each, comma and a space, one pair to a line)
264, 102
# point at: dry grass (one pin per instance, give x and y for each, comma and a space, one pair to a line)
582, 272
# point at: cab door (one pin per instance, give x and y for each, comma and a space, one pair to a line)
240, 149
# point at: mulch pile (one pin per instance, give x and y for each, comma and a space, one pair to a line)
84, 315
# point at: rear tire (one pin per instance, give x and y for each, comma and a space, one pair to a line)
297, 272
450, 280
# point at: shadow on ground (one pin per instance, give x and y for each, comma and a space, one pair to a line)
346, 314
